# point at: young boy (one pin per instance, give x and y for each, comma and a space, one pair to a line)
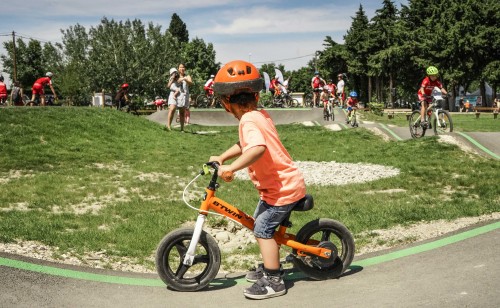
324, 97
352, 102
426, 87
271, 169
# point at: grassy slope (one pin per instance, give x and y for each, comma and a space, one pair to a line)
59, 159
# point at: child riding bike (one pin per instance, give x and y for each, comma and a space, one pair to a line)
352, 104
271, 169
324, 97
424, 93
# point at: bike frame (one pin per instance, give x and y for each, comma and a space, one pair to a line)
212, 203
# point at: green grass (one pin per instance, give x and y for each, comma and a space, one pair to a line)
56, 160
465, 122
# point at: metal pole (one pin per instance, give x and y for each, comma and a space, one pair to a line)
14, 55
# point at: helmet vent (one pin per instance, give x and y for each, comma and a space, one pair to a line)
249, 70
230, 71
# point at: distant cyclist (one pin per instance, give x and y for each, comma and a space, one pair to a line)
274, 86
122, 98
3, 92
37, 89
324, 97
209, 91
428, 84
332, 88
352, 103
316, 83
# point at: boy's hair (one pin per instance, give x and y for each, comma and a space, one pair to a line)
243, 98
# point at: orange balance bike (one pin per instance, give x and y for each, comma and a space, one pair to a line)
188, 259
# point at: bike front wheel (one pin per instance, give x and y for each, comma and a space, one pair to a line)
327, 233
170, 256
416, 129
443, 123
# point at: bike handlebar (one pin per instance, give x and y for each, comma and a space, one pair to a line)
227, 176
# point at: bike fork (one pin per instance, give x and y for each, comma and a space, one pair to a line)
189, 257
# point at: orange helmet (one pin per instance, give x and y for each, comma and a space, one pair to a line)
236, 77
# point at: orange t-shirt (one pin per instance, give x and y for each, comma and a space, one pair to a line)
274, 174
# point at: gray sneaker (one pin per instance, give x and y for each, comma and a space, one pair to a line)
266, 287
256, 273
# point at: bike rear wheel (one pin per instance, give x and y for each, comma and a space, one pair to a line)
170, 256
330, 234
443, 123
416, 130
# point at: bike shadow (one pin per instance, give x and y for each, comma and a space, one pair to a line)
291, 276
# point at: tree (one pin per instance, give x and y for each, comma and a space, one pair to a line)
178, 29
357, 45
199, 58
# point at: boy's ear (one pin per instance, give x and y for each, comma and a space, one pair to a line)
257, 96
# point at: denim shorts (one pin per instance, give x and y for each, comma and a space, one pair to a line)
268, 217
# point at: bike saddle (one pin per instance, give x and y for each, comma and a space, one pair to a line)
304, 204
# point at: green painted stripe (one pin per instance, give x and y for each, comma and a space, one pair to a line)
228, 281
428, 246
343, 125
79, 275
486, 150
391, 132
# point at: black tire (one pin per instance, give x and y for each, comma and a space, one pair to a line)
309, 100
329, 232
202, 101
416, 129
170, 255
446, 124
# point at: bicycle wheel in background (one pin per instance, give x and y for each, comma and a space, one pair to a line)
202, 101
416, 129
444, 125
308, 100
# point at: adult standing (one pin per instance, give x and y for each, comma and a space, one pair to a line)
37, 89
182, 101
340, 89
317, 84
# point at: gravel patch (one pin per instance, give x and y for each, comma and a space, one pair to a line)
333, 173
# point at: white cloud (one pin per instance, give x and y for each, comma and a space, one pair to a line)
264, 20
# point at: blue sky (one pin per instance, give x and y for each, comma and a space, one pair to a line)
279, 31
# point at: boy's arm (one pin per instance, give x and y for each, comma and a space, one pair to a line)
246, 159
232, 152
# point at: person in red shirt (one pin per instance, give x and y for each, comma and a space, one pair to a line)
352, 103
271, 168
316, 83
209, 91
428, 84
38, 86
3, 91
274, 86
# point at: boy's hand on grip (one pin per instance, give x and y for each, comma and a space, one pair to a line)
227, 176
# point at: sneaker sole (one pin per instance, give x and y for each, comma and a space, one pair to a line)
264, 296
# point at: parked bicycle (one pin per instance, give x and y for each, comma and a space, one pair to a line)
435, 117
188, 259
